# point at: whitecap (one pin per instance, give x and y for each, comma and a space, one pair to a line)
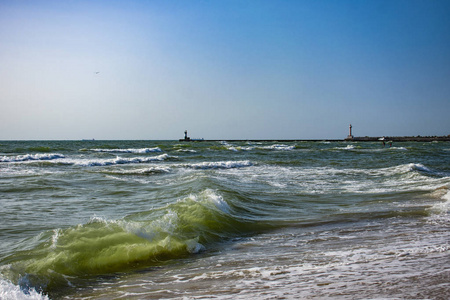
220, 165
399, 148
423, 169
116, 161
278, 147
217, 200
31, 157
239, 148
418, 167
146, 171
209, 196
348, 147
186, 150
130, 150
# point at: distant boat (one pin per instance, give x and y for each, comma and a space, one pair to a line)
84, 140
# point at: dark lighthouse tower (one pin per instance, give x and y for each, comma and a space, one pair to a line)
186, 138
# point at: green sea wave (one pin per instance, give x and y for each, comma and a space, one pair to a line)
137, 241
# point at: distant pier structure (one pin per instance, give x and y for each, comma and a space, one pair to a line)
350, 135
349, 138
186, 138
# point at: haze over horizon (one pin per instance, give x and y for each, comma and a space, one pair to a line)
223, 69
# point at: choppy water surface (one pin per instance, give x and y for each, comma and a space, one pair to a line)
170, 220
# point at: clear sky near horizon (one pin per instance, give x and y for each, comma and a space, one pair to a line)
223, 69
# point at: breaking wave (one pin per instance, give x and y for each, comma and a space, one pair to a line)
31, 157
220, 165
276, 147
103, 246
116, 161
141, 150
146, 171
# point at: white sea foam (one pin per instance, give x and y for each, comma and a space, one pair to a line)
14, 170
239, 148
10, 291
418, 167
324, 180
145, 171
115, 161
98, 219
441, 209
271, 147
232, 148
31, 157
131, 150
446, 197
347, 147
423, 169
399, 148
321, 271
186, 150
220, 165
278, 147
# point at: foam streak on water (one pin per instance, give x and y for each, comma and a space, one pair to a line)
170, 220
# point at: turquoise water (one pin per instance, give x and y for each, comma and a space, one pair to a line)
164, 219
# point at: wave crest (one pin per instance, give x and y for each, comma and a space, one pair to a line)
130, 150
31, 157
220, 165
103, 246
276, 147
118, 161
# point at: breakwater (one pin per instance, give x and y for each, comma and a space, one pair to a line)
401, 139
352, 139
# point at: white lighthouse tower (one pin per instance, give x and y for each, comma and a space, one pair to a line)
350, 136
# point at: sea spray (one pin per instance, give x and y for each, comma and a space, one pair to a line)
9, 291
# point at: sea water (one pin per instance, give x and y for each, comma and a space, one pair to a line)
224, 220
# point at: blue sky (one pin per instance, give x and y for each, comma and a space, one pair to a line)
223, 69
